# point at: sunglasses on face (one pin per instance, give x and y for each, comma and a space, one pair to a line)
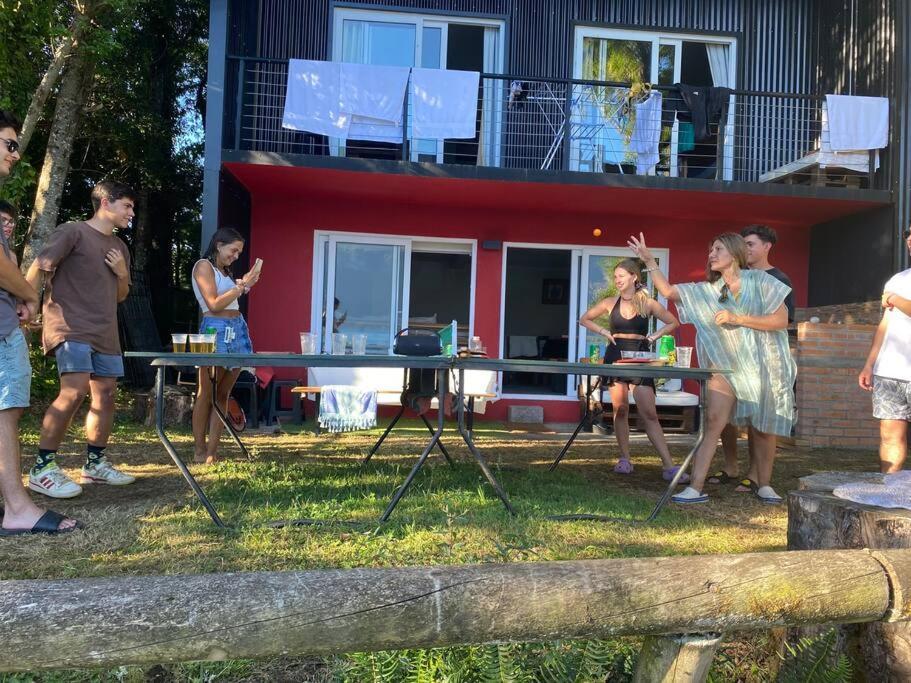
11, 145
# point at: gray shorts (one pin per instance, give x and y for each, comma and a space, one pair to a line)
74, 356
891, 399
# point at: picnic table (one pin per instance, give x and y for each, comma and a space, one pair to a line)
443, 366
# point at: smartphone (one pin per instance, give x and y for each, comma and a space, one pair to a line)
257, 266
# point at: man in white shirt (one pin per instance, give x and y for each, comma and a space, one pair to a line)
887, 372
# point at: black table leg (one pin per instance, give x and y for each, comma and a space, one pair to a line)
169, 447
383, 436
442, 390
213, 375
666, 496
439, 443
466, 435
585, 417
700, 436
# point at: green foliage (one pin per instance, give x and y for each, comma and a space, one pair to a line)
814, 660
558, 662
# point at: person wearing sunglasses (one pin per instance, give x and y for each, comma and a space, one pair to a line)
8, 214
18, 304
741, 325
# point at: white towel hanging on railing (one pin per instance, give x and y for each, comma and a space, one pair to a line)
312, 98
444, 104
857, 123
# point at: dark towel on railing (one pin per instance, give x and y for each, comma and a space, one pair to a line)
705, 103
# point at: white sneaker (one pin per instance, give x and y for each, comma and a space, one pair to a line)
52, 481
103, 472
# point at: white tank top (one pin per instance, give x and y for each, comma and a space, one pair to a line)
222, 284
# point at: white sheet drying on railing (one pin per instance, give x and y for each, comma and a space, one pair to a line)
647, 133
366, 102
349, 101
853, 160
444, 103
857, 123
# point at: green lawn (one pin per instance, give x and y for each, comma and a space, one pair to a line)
449, 516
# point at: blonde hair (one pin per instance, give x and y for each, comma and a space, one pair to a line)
736, 247
641, 297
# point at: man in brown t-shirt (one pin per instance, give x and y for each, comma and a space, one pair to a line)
87, 273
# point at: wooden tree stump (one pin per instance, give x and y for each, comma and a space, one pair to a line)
178, 407
676, 659
817, 520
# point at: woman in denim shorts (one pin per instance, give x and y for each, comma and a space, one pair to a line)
218, 293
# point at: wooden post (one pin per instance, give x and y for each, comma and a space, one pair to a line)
818, 520
676, 659
160, 619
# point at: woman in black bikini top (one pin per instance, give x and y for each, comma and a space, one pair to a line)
629, 314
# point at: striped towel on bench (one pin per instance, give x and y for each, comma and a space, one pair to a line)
346, 408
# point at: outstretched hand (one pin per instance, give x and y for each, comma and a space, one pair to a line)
638, 247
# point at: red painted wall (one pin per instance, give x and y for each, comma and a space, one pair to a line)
283, 224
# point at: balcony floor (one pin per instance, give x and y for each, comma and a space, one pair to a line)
685, 200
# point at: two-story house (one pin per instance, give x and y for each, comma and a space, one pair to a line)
513, 232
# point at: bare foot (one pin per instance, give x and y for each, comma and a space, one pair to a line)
28, 516
205, 459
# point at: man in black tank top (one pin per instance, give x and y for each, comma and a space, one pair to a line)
760, 239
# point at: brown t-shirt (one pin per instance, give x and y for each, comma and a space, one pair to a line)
80, 298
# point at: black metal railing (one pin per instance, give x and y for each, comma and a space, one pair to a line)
578, 125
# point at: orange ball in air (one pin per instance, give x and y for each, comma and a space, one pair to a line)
596, 232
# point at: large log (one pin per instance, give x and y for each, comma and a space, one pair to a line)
818, 520
138, 620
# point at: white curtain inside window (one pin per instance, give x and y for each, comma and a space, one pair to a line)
354, 42
719, 62
488, 140
719, 56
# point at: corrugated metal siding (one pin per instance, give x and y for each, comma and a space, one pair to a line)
791, 46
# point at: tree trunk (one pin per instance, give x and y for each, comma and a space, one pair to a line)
157, 619
819, 520
75, 82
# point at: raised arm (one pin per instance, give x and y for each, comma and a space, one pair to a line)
661, 313
664, 287
587, 320
205, 280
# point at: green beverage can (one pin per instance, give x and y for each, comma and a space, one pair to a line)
666, 347
594, 352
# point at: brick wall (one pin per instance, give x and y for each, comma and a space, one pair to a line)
833, 411
864, 313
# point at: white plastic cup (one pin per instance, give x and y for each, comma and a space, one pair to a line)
308, 343
196, 342
179, 343
474, 344
684, 356
359, 344
339, 343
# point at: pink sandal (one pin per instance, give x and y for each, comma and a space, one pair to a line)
668, 473
623, 466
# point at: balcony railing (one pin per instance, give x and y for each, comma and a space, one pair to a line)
576, 125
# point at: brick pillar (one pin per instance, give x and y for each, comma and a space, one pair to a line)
833, 411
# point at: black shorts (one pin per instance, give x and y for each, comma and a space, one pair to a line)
613, 354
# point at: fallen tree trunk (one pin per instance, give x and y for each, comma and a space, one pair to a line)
157, 619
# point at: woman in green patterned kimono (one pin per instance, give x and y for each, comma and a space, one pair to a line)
741, 322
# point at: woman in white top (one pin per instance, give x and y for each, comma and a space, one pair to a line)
217, 293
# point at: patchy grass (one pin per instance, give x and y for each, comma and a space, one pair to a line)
449, 516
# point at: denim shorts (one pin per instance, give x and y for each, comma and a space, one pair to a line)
15, 371
231, 334
74, 356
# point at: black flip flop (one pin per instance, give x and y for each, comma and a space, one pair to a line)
720, 477
48, 523
748, 484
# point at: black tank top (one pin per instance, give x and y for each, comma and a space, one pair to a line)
621, 325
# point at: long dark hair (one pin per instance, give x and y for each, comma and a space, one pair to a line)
221, 236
